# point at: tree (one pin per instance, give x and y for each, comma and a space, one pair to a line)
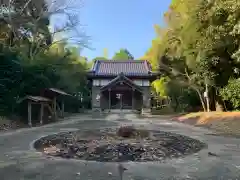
199, 46
23, 18
28, 21
99, 58
29, 62
123, 54
90, 63
231, 93
207, 41
157, 47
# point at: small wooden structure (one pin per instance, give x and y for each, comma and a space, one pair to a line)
36, 100
55, 94
47, 99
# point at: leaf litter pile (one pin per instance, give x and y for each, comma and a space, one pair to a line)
118, 145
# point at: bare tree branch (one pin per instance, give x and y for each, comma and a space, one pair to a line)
64, 8
25, 6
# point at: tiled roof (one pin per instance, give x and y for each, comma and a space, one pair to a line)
127, 67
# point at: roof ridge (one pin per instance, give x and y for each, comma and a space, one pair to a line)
95, 65
127, 61
147, 66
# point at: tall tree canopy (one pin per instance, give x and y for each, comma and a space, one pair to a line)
30, 61
199, 45
123, 54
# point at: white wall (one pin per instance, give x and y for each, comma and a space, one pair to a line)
104, 82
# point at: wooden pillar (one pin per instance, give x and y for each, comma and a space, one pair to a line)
133, 90
121, 95
30, 114
62, 108
121, 101
55, 108
109, 99
41, 113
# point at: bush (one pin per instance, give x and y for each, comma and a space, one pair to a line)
231, 93
21, 76
182, 98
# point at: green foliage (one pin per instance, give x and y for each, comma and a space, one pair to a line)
21, 76
182, 98
30, 61
152, 54
104, 57
199, 45
28, 23
99, 58
160, 86
231, 93
10, 76
123, 54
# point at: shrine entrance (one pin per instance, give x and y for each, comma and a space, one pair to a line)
122, 93
123, 99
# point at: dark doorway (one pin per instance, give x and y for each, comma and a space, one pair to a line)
122, 99
121, 96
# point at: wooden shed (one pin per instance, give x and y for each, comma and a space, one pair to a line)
51, 99
57, 98
36, 100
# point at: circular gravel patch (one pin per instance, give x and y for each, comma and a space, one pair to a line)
109, 145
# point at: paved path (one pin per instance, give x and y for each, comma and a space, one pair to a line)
19, 161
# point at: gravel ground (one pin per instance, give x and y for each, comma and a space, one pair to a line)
20, 161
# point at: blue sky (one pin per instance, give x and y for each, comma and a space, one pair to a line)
115, 24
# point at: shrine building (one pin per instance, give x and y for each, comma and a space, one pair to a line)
121, 84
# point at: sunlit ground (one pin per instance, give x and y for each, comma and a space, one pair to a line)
223, 122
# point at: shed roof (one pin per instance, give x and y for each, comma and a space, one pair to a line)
127, 67
58, 91
35, 99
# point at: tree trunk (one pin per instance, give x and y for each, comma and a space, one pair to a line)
207, 97
176, 104
212, 99
202, 100
219, 103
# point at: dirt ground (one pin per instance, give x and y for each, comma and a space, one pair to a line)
227, 123
8, 124
20, 161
